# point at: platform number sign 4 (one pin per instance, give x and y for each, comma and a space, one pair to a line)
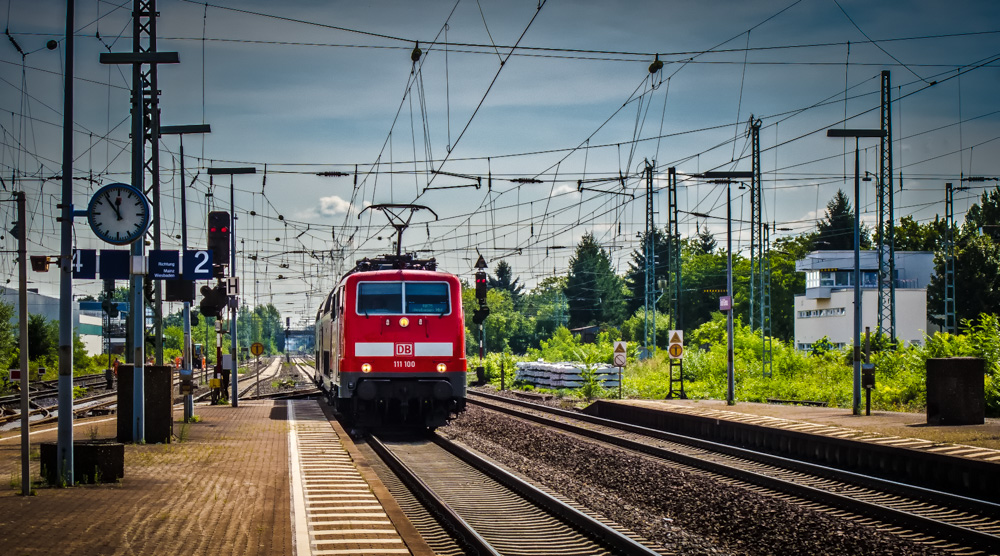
84, 264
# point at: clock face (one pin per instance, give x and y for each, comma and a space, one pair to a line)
118, 214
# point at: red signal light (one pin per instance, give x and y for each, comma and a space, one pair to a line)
213, 230
225, 230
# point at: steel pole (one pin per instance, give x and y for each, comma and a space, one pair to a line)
22, 315
138, 247
233, 310
856, 391
64, 439
730, 370
188, 362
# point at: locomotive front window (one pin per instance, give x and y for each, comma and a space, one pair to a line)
380, 298
426, 298
397, 298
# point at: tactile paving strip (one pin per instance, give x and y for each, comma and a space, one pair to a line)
334, 510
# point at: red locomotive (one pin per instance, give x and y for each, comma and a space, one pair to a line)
390, 344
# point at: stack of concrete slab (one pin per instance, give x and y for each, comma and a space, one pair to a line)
563, 374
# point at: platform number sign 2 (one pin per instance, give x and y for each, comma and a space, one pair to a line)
198, 265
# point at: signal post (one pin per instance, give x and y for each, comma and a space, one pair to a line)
480, 314
675, 349
216, 299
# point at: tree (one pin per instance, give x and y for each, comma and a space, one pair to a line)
977, 264
594, 292
635, 276
984, 216
705, 242
977, 280
547, 304
43, 337
910, 235
836, 232
505, 281
8, 340
703, 277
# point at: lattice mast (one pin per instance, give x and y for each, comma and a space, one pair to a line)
886, 222
649, 325
674, 250
756, 245
765, 302
950, 325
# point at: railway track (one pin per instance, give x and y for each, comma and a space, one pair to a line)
490, 511
950, 522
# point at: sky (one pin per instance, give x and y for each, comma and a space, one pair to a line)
525, 101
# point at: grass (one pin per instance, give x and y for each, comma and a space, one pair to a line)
900, 372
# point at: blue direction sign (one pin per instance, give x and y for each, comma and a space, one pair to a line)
113, 264
84, 264
198, 265
164, 265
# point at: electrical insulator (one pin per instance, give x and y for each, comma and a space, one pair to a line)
415, 55
656, 66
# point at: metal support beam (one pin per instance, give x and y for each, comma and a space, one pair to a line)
64, 436
756, 245
950, 322
886, 222
146, 16
649, 324
674, 252
765, 301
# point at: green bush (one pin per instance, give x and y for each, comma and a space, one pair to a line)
824, 375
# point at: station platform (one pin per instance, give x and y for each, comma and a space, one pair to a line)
885, 427
894, 445
266, 478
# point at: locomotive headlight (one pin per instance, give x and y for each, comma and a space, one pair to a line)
404, 322
366, 367
442, 367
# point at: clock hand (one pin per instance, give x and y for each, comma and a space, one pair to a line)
114, 206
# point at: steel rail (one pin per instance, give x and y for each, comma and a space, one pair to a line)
971, 537
466, 535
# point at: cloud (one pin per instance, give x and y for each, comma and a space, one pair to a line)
333, 205
562, 189
328, 206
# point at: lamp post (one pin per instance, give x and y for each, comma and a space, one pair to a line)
727, 178
180, 130
857, 134
232, 271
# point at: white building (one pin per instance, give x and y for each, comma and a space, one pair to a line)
87, 324
827, 306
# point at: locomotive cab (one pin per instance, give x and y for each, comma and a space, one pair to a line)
391, 348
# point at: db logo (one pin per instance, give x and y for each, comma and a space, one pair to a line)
404, 350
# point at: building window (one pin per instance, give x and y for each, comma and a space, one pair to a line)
832, 312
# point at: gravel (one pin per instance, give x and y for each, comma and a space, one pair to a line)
687, 512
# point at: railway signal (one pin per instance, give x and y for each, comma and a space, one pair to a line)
480, 314
219, 231
215, 301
